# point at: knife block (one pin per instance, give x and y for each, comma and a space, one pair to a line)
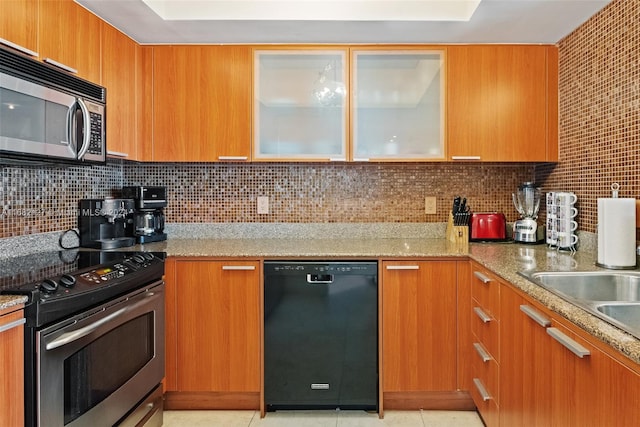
458, 234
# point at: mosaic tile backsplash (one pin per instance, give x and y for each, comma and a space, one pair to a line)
43, 199
328, 192
599, 111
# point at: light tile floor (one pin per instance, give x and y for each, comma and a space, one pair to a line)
321, 419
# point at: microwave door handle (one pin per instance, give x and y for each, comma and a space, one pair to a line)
71, 125
87, 129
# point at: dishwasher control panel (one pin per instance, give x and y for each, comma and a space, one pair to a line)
319, 269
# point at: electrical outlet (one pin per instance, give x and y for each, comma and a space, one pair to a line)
263, 205
430, 205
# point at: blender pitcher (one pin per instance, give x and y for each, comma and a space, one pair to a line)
527, 202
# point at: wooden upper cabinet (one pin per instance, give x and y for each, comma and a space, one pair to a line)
202, 103
19, 23
502, 103
397, 110
144, 102
119, 78
70, 35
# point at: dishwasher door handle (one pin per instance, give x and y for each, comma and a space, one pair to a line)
319, 278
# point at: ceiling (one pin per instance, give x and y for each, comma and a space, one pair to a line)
494, 21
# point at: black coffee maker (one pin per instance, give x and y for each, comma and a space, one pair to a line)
148, 216
106, 223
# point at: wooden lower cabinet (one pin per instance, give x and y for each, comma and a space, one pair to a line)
12, 367
213, 336
545, 383
419, 368
525, 366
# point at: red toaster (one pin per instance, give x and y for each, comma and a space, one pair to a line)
488, 226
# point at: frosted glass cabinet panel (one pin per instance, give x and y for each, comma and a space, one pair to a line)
398, 104
300, 99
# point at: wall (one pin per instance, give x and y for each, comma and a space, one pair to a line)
599, 92
43, 199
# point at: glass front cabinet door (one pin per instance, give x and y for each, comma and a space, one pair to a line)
398, 105
300, 105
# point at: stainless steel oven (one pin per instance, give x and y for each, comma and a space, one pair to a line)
94, 336
93, 366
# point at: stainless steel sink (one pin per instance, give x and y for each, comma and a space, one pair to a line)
593, 286
613, 296
624, 313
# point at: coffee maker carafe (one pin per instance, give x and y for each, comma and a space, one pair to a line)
148, 217
105, 223
527, 202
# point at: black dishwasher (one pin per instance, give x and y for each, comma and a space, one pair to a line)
321, 335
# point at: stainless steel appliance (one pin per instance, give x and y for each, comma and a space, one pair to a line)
527, 202
148, 217
320, 335
94, 336
106, 223
48, 114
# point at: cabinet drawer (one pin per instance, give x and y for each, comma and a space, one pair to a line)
485, 368
486, 329
485, 289
488, 408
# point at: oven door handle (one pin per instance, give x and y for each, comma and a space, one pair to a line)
69, 337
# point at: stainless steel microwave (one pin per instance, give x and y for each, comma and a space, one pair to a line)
49, 114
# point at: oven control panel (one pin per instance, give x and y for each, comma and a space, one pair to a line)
109, 273
105, 274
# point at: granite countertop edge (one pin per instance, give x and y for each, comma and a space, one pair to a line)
8, 301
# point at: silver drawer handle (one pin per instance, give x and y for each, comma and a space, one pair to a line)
483, 391
12, 325
482, 277
482, 315
403, 267
18, 47
465, 157
535, 316
482, 352
238, 267
231, 158
360, 159
567, 342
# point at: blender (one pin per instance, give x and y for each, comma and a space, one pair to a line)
527, 202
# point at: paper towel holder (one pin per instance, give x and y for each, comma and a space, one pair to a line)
604, 256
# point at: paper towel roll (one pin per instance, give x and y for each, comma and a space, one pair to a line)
617, 232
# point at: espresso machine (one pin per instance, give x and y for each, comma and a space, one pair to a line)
148, 216
527, 202
106, 223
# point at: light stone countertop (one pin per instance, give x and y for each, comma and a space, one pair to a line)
8, 301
